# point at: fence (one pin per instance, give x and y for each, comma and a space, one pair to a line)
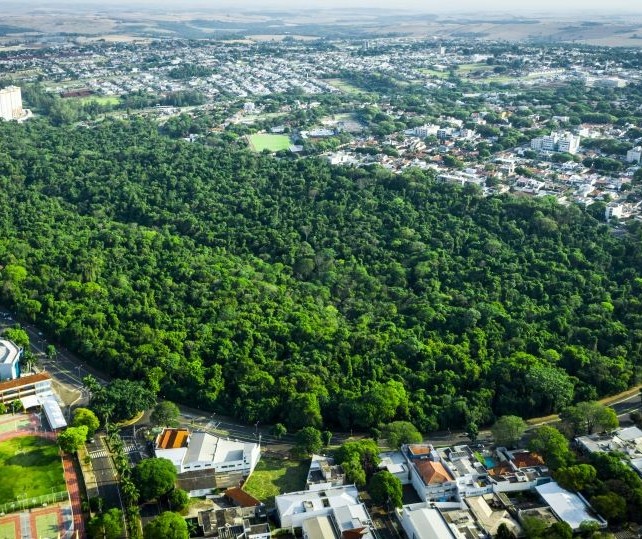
33, 501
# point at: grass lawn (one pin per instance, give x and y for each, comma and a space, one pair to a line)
47, 525
274, 143
275, 476
31, 466
101, 99
344, 86
8, 530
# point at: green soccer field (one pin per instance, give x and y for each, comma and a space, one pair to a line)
30, 467
47, 525
273, 143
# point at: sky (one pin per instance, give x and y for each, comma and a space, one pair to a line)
432, 6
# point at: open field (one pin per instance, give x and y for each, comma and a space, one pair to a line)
30, 467
344, 86
275, 476
273, 143
10, 423
100, 99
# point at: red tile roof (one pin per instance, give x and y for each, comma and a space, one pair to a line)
241, 498
28, 380
433, 473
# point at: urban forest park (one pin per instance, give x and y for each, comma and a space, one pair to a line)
293, 291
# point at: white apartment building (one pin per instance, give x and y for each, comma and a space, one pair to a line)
557, 142
11, 103
634, 155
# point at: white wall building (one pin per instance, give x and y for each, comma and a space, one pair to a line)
203, 452
11, 103
420, 521
634, 155
9, 360
557, 142
569, 507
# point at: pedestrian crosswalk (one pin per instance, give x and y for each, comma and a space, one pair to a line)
101, 453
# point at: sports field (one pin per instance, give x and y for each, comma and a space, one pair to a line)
47, 525
273, 143
101, 99
30, 467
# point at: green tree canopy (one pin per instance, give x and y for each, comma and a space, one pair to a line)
401, 432
84, 416
552, 445
72, 438
154, 477
107, 525
508, 430
165, 414
168, 525
308, 440
586, 417
385, 488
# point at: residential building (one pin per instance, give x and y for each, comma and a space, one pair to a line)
627, 440
557, 142
634, 155
568, 507
395, 463
430, 478
11, 103
425, 130
235, 523
324, 473
490, 514
204, 462
10, 354
340, 504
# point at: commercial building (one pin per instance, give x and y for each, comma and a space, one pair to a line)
10, 355
420, 521
11, 103
33, 384
568, 507
204, 462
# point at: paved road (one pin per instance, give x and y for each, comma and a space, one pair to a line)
105, 472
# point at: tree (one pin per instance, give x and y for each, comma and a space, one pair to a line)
308, 440
552, 445
168, 525
508, 430
401, 432
279, 430
504, 533
165, 414
534, 528
576, 477
178, 499
72, 438
154, 477
611, 506
385, 488
326, 436
121, 399
586, 417
84, 416
18, 336
354, 472
108, 525
51, 352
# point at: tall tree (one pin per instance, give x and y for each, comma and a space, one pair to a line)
167, 525
165, 414
508, 430
385, 488
154, 477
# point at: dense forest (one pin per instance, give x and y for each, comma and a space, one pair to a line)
290, 290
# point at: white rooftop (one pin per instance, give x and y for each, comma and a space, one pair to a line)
567, 506
428, 523
8, 352
629, 434
316, 500
53, 412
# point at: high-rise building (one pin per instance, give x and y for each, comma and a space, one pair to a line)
11, 103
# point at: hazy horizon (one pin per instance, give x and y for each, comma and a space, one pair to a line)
613, 6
